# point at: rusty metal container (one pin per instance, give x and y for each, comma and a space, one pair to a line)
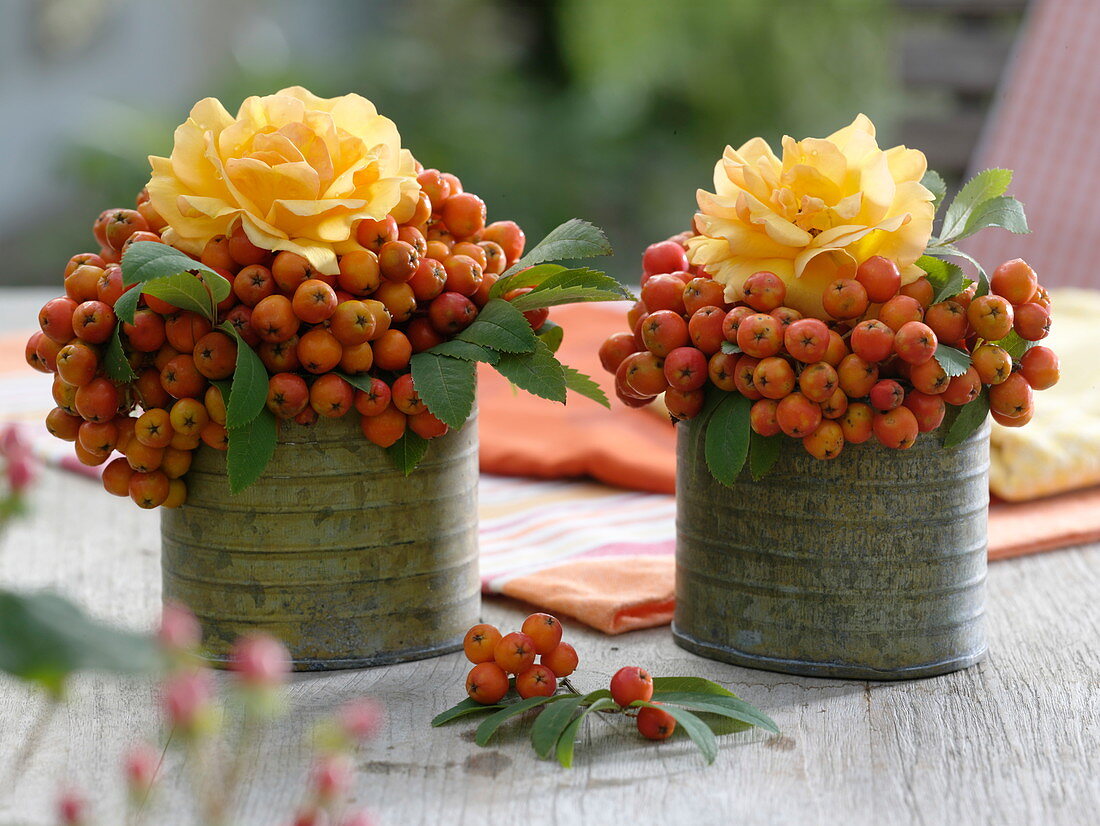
870, 566
333, 551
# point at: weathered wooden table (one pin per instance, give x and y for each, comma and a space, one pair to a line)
1015, 740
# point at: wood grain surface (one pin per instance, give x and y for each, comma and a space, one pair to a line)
1011, 741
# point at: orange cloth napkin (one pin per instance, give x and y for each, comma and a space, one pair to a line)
524, 436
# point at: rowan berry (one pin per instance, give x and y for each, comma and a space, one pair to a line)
880, 277
487, 683
515, 652
631, 684
655, 723
536, 681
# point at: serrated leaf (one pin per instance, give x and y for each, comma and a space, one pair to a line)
407, 452
990, 183
950, 251
539, 373
953, 361
446, 386
556, 296
1015, 345
696, 729
725, 706
584, 385
494, 721
126, 304
463, 709
44, 638
763, 453
500, 326
530, 277
727, 440
696, 685
551, 335
1004, 212
730, 347
114, 360
568, 740
934, 183
970, 417
550, 724
947, 279
146, 260
251, 447
360, 381
458, 349
183, 290
572, 240
248, 392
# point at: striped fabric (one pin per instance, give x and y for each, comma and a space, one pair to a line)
1044, 127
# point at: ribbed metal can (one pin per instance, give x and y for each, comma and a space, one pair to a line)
333, 551
868, 566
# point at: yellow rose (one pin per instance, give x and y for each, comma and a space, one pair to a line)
297, 171
813, 216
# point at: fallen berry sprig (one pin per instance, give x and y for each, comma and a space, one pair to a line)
506, 681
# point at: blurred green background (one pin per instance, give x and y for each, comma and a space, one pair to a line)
612, 110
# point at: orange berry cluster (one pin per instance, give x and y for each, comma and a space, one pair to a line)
406, 289
870, 370
495, 657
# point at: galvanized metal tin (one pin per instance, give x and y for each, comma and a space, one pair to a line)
333, 551
868, 566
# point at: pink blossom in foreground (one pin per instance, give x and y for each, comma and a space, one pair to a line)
260, 660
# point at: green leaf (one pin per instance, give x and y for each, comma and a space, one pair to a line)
987, 184
44, 638
573, 239
950, 251
935, 184
947, 279
114, 360
539, 373
183, 290
970, 417
250, 449
567, 741
446, 386
730, 347
551, 722
584, 385
407, 452
724, 706
463, 709
696, 729
571, 287
126, 305
530, 277
551, 335
1004, 212
147, 260
954, 362
727, 441
1014, 345
360, 381
500, 326
248, 393
696, 685
465, 350
494, 721
763, 453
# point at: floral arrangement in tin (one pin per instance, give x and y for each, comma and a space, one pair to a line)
290, 263
812, 301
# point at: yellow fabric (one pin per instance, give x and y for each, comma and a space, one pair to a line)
1059, 449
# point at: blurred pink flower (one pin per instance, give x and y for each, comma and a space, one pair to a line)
360, 719
179, 630
140, 764
260, 660
332, 776
186, 695
72, 808
360, 818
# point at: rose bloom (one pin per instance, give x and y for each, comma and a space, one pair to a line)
297, 171
814, 215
